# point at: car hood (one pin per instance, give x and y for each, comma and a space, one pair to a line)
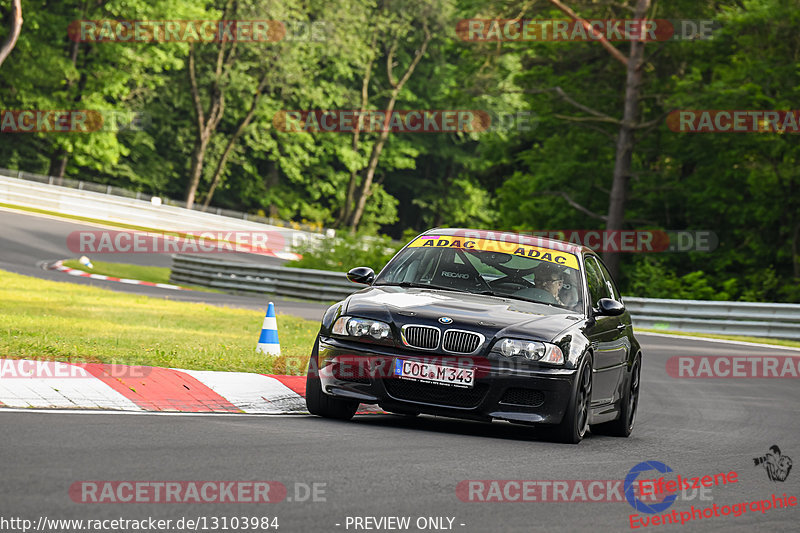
489, 315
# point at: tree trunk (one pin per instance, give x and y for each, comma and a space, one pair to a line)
232, 141
796, 250
625, 141
365, 190
16, 28
58, 165
347, 208
366, 185
207, 122
59, 160
198, 156
205, 126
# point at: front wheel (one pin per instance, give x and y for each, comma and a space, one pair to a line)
576, 420
319, 403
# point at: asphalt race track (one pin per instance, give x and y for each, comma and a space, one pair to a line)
382, 465
28, 240
386, 466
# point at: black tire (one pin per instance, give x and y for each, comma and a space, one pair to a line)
321, 404
623, 426
575, 423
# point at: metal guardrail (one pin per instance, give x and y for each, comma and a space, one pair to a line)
693, 316
120, 192
318, 285
770, 320
137, 212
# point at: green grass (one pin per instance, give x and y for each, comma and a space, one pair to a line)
742, 338
62, 321
124, 270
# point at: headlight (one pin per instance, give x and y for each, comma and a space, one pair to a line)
347, 326
541, 352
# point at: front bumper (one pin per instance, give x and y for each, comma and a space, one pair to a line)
363, 372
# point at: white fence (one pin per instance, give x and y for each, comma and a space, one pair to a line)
137, 212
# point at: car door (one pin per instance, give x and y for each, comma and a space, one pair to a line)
606, 333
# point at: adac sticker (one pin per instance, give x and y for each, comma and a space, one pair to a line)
488, 245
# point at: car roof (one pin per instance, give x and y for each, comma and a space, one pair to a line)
507, 236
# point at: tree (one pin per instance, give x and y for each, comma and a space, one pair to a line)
394, 25
363, 192
16, 27
627, 126
208, 116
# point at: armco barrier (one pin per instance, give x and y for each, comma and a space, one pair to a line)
319, 285
731, 318
127, 193
780, 321
133, 211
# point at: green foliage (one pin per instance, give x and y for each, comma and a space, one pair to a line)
651, 280
526, 177
345, 251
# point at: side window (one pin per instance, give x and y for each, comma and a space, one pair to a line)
595, 281
612, 288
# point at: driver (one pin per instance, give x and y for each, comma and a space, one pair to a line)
550, 279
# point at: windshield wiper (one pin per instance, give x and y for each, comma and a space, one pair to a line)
492, 293
408, 284
513, 297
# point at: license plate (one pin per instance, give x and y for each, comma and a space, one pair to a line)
433, 373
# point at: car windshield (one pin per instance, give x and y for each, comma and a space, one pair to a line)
523, 272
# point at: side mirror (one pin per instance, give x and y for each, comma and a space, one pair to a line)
609, 307
364, 275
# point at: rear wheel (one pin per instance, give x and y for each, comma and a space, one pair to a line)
318, 402
576, 419
623, 426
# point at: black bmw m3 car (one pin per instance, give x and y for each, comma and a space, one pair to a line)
483, 325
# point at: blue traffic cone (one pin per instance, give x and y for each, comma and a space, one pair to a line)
268, 341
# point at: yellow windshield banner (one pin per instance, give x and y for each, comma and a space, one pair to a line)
489, 245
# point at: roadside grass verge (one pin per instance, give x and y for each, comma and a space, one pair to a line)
61, 321
123, 270
741, 338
